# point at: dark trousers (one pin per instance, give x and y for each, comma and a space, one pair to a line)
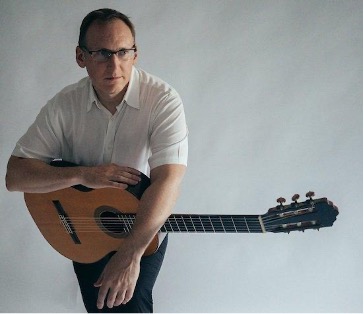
142, 301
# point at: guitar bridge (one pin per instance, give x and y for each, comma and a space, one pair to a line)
66, 222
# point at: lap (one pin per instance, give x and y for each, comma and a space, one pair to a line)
142, 301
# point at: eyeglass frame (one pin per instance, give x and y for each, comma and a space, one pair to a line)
110, 52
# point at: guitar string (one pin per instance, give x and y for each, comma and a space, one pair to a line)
83, 223
178, 220
265, 218
117, 220
203, 228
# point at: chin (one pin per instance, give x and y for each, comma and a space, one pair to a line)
114, 86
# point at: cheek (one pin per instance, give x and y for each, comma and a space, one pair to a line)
127, 68
94, 73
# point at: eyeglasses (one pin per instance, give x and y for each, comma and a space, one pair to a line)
103, 55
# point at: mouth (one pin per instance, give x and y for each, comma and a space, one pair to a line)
112, 79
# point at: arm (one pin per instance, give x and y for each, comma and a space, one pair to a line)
35, 176
122, 271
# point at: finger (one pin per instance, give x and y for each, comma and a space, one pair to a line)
111, 298
101, 297
127, 178
118, 185
98, 283
119, 298
126, 169
128, 295
131, 176
132, 171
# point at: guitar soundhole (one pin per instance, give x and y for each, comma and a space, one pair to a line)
111, 221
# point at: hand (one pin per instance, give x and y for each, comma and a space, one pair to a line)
118, 280
110, 175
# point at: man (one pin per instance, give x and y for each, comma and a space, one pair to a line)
115, 123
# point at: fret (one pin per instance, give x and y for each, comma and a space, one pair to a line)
240, 224
218, 224
180, 223
197, 223
202, 224
232, 220
175, 225
228, 225
246, 225
252, 224
212, 225
188, 223
170, 225
207, 225
192, 224
184, 223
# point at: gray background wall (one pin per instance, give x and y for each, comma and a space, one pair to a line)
273, 97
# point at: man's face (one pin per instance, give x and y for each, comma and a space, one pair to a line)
109, 78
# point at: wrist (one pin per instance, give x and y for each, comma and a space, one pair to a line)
78, 175
135, 245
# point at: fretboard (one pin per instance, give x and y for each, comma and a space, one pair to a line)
213, 223
205, 223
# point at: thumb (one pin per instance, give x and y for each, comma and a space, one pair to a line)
98, 283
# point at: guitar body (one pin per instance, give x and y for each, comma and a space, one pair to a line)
84, 224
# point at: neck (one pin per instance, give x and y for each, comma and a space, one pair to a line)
110, 102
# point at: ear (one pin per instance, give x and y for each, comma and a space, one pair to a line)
135, 56
80, 57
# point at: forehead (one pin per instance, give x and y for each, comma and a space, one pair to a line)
112, 34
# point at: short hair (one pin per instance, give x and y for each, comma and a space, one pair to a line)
102, 15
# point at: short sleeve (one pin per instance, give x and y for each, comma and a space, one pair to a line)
41, 141
168, 132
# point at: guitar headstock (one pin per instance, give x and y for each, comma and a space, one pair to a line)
299, 216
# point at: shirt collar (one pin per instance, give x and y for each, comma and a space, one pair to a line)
132, 94
131, 97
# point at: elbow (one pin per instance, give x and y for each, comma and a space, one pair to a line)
13, 173
9, 183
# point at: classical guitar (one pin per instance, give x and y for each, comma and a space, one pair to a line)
85, 224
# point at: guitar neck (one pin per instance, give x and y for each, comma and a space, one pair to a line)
184, 223
213, 224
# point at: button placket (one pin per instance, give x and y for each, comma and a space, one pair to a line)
109, 140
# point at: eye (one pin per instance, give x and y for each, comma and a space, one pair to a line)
122, 52
105, 53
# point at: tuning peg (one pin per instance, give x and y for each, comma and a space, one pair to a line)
281, 200
310, 195
295, 198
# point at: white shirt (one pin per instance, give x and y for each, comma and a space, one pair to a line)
148, 129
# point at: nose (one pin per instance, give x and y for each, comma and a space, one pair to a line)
113, 61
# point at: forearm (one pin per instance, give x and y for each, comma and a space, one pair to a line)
34, 176
156, 205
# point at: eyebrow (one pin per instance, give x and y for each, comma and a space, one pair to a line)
102, 48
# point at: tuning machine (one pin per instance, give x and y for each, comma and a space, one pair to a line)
310, 195
281, 201
295, 199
